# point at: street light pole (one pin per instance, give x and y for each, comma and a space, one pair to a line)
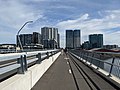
19, 41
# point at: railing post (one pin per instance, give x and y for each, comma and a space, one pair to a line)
55, 52
39, 58
25, 62
21, 69
52, 56
83, 55
51, 53
87, 57
91, 59
98, 65
111, 66
47, 54
79, 54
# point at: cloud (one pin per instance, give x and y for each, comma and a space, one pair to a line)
113, 38
90, 16
88, 26
14, 13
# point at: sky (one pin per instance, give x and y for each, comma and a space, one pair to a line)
90, 16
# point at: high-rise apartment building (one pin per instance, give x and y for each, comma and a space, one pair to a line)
36, 39
50, 33
58, 39
29, 39
73, 39
25, 39
49, 38
45, 32
96, 40
76, 36
69, 39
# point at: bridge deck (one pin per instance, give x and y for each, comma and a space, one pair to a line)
71, 74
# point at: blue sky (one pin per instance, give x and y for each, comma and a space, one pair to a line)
91, 16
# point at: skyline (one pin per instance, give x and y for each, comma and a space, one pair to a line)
91, 17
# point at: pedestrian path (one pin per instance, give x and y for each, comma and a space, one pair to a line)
67, 73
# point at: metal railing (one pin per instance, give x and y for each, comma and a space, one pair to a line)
2, 51
96, 58
14, 63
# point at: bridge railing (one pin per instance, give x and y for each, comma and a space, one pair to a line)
14, 63
94, 58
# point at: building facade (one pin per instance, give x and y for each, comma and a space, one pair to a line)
110, 46
96, 40
36, 39
30, 40
73, 39
58, 39
49, 38
76, 37
49, 44
25, 39
50, 34
86, 45
69, 39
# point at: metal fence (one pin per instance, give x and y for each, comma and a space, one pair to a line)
96, 58
13, 63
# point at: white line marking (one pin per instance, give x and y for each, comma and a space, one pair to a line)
67, 62
66, 58
70, 71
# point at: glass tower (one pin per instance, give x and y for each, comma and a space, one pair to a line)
96, 40
76, 40
69, 39
73, 39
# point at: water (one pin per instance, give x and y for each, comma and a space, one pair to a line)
116, 69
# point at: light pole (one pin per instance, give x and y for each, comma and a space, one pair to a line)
19, 41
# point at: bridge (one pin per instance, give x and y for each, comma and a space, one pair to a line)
56, 70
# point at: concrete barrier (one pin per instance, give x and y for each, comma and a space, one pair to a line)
28, 80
